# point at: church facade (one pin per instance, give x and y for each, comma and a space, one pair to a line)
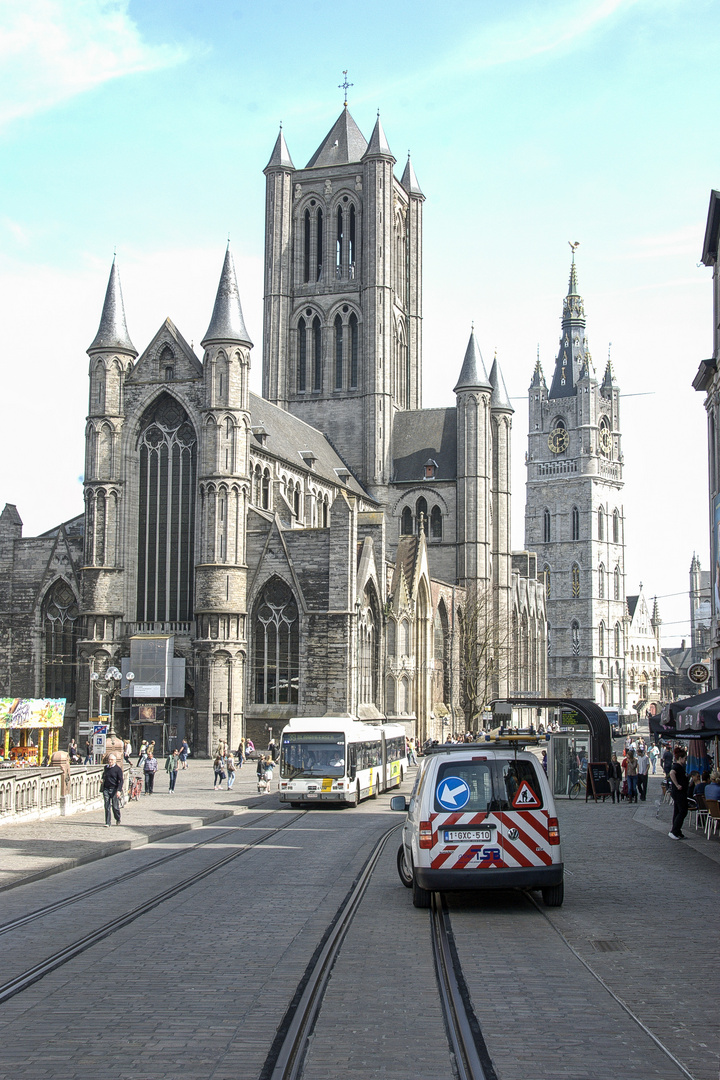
329, 548
574, 516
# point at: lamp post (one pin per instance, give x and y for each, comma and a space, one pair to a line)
109, 682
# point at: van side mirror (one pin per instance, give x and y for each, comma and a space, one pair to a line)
399, 802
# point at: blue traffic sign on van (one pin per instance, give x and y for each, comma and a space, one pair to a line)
452, 793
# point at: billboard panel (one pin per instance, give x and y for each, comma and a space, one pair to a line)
18, 713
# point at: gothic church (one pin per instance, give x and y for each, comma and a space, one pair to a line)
319, 550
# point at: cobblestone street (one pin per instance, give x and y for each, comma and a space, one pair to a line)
198, 985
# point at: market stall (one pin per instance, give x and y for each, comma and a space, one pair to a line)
20, 718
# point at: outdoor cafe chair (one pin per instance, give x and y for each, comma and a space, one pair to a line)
700, 810
713, 816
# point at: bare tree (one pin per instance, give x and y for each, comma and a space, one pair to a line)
486, 642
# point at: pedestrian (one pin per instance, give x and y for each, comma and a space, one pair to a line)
249, 747
667, 759
88, 751
653, 754
269, 766
544, 761
679, 781
151, 747
219, 770
150, 768
230, 771
643, 769
142, 753
615, 777
632, 776
184, 752
73, 752
172, 762
112, 785
127, 750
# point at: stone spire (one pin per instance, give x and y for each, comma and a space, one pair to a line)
409, 180
227, 323
280, 157
499, 399
538, 378
378, 145
112, 332
343, 144
573, 359
473, 375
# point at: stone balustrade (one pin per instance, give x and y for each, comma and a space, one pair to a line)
29, 794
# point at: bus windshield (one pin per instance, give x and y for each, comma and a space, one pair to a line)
312, 753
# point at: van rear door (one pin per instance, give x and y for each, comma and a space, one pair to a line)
522, 814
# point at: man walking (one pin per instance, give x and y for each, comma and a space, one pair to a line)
112, 785
643, 767
150, 769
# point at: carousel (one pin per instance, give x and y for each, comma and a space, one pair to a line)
31, 729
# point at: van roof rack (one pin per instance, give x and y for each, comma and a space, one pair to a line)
502, 742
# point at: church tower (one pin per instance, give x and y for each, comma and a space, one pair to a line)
574, 516
343, 304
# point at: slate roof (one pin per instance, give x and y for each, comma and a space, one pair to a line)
74, 527
112, 331
227, 322
280, 157
631, 602
422, 434
343, 144
288, 437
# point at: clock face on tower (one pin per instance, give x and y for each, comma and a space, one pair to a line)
605, 438
558, 439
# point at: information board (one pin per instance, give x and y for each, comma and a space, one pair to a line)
598, 782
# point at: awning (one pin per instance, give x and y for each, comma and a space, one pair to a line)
695, 717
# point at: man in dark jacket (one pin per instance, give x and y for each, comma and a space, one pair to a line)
112, 785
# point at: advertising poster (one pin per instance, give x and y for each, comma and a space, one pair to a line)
18, 713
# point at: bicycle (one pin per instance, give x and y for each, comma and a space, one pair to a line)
135, 786
578, 787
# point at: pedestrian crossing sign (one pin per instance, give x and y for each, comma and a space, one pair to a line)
525, 797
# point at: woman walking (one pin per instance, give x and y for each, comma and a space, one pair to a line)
678, 790
615, 777
219, 770
172, 763
230, 771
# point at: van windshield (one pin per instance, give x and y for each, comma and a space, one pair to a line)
476, 786
312, 753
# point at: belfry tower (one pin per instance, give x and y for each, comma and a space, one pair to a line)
574, 516
342, 334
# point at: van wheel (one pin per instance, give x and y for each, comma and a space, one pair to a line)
421, 897
553, 895
376, 788
403, 869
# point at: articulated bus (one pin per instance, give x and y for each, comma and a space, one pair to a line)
339, 760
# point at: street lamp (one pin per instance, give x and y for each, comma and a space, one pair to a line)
109, 682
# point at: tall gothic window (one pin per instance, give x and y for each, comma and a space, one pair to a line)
548, 591
353, 324
338, 351
546, 526
167, 451
306, 247
575, 576
319, 247
436, 523
601, 639
601, 523
406, 522
616, 583
60, 628
421, 515
302, 356
368, 644
601, 582
575, 523
616, 527
352, 257
277, 645
617, 639
317, 354
575, 638
339, 244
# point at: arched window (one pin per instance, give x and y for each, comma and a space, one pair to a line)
368, 648
325, 513
575, 638
297, 504
601, 582
404, 638
421, 514
257, 486
319, 245
601, 523
616, 583
277, 645
601, 639
546, 526
306, 247
338, 350
575, 523
546, 571
167, 453
436, 529
616, 527
441, 654
353, 324
352, 254
406, 522
617, 639
390, 637
302, 356
60, 630
317, 354
266, 490
339, 240
575, 577
390, 695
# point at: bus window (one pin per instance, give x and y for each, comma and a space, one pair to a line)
312, 753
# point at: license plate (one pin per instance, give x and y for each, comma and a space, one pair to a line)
312, 794
454, 836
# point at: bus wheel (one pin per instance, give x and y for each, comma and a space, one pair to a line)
357, 795
376, 787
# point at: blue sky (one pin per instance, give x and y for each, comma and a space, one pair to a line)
146, 126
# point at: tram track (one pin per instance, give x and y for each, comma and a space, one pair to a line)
57, 905
51, 963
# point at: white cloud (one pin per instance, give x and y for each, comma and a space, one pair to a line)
53, 50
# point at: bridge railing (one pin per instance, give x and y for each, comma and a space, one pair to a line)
29, 794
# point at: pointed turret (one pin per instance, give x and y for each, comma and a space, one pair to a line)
344, 143
473, 375
112, 332
280, 157
573, 360
378, 145
409, 180
499, 399
227, 323
656, 621
538, 378
609, 382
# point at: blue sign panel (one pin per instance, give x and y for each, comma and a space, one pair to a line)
452, 793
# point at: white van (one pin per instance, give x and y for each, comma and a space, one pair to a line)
480, 816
